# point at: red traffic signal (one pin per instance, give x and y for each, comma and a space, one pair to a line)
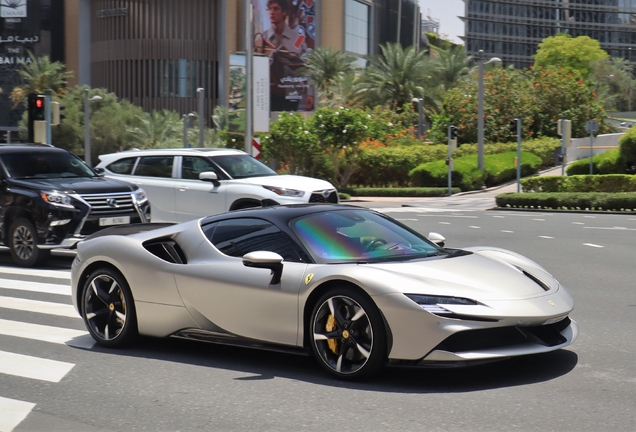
36, 107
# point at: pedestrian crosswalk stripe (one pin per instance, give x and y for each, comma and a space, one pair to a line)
39, 332
12, 413
49, 274
37, 306
35, 287
33, 367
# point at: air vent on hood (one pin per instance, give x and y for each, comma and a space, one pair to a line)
167, 250
539, 282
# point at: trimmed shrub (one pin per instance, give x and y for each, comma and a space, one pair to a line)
541, 147
581, 183
627, 150
568, 201
608, 162
498, 168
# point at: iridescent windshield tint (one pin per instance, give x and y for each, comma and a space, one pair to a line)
360, 235
243, 166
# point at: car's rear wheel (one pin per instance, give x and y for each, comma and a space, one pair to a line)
347, 334
108, 308
23, 244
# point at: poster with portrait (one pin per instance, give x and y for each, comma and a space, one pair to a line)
285, 31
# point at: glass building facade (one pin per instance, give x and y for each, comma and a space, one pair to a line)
512, 29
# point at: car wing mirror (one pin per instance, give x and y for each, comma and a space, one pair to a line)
99, 170
209, 176
266, 260
437, 238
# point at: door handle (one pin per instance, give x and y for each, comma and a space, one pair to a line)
183, 188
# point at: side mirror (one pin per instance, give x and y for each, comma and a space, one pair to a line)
209, 176
100, 171
437, 238
265, 260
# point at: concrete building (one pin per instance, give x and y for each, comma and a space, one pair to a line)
156, 53
512, 29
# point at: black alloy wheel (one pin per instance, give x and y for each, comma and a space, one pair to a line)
108, 309
347, 334
23, 244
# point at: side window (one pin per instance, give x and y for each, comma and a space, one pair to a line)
123, 166
191, 167
237, 237
155, 166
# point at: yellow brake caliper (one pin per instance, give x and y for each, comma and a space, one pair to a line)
331, 326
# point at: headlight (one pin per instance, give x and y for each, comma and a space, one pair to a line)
140, 196
57, 198
433, 304
285, 191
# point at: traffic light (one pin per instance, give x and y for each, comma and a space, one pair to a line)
453, 132
513, 126
36, 112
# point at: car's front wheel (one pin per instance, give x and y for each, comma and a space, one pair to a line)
347, 334
108, 309
23, 244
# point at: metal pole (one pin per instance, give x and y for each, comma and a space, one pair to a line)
519, 155
591, 150
185, 131
201, 94
249, 48
420, 126
399, 23
450, 161
47, 115
87, 130
480, 112
563, 146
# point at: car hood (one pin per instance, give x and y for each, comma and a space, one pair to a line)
473, 276
291, 182
82, 185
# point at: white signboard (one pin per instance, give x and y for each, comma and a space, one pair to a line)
13, 8
260, 87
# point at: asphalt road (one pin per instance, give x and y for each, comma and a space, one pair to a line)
180, 385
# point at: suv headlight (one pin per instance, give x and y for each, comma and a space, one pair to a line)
285, 191
57, 198
140, 196
434, 304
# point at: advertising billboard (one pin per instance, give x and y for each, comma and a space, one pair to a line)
285, 31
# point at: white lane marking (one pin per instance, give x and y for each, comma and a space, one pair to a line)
500, 217
449, 216
33, 367
578, 223
592, 245
473, 226
444, 223
506, 231
13, 412
49, 274
39, 332
611, 228
35, 287
407, 219
590, 217
540, 220
546, 237
49, 308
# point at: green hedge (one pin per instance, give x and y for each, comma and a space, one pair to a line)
498, 169
627, 150
568, 201
398, 192
581, 183
608, 162
542, 147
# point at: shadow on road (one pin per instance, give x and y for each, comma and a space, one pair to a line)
264, 365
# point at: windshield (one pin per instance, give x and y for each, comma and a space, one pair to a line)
37, 164
360, 235
243, 166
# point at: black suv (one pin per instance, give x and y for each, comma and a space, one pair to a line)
49, 198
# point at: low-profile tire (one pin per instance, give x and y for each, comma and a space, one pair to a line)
108, 308
23, 244
347, 334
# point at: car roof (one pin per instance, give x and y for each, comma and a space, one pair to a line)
282, 213
21, 148
207, 151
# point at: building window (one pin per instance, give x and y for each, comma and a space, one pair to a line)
357, 28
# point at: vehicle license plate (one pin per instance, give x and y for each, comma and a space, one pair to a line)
121, 220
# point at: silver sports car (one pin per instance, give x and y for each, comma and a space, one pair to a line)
352, 286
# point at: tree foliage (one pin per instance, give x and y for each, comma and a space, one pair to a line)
328, 70
570, 53
159, 129
39, 75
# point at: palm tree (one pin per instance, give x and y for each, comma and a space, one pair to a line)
451, 66
327, 69
395, 77
158, 130
39, 75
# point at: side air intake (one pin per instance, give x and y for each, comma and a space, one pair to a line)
167, 250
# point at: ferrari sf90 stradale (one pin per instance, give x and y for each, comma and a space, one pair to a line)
351, 286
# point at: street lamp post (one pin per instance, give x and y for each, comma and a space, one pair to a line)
87, 126
480, 108
201, 108
607, 78
420, 128
186, 124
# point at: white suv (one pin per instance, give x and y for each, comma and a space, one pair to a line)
185, 184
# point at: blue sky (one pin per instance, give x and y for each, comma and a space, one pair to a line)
446, 11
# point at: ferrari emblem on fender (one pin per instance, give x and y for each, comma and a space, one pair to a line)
308, 279
551, 303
